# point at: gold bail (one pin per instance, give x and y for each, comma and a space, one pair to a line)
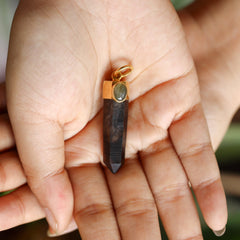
121, 72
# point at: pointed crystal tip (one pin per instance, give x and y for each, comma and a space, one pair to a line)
114, 167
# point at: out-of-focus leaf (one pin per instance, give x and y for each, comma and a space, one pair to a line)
179, 4
229, 150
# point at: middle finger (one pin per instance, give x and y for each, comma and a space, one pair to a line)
134, 205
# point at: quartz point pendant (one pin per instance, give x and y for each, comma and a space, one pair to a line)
114, 133
115, 116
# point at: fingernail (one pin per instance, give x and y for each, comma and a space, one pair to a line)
51, 221
51, 233
220, 232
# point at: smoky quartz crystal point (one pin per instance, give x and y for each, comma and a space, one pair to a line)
114, 133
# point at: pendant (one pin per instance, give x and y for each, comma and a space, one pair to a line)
115, 116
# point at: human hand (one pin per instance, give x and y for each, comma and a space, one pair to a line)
150, 138
215, 24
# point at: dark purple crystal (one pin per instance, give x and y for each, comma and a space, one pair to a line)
115, 117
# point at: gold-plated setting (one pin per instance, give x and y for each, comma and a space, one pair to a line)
117, 87
121, 72
107, 89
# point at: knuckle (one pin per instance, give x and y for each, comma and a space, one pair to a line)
195, 150
78, 156
93, 210
37, 181
131, 149
171, 194
207, 183
55, 173
137, 207
159, 147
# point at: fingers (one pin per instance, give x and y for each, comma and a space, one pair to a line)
148, 124
41, 149
191, 141
2, 98
6, 134
93, 210
134, 205
19, 207
170, 189
151, 115
11, 172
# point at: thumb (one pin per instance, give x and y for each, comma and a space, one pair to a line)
40, 144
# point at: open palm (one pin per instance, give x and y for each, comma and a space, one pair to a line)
54, 94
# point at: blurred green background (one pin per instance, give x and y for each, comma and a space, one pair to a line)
228, 156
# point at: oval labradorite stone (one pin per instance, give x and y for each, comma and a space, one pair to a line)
120, 92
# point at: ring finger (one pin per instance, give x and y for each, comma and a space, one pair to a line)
172, 194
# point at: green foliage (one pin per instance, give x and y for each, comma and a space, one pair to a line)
5, 193
229, 150
179, 4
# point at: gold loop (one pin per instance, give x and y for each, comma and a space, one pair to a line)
121, 72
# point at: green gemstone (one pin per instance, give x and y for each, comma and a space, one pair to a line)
120, 92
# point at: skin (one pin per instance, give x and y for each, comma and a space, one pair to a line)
132, 199
216, 58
